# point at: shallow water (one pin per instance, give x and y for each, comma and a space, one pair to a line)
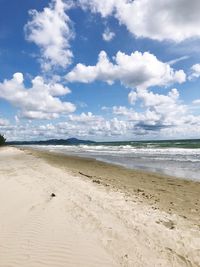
175, 161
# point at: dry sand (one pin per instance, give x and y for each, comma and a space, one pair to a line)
101, 215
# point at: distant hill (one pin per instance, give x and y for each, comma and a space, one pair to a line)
69, 141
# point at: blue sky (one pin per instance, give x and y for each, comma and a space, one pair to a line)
104, 70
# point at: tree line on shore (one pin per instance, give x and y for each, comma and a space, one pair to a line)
2, 140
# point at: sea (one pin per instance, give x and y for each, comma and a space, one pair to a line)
179, 158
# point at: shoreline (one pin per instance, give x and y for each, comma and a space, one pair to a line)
157, 190
63, 211
187, 168
106, 162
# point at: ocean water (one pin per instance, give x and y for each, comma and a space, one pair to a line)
180, 158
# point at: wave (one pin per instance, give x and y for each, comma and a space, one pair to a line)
181, 155
180, 162
121, 149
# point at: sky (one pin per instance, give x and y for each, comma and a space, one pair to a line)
101, 70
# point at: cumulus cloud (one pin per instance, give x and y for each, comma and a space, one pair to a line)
140, 70
85, 117
51, 30
100, 128
159, 111
195, 72
105, 7
37, 102
159, 20
95, 127
126, 122
108, 35
146, 125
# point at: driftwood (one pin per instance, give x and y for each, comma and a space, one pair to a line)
89, 176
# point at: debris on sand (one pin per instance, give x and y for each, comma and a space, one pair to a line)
96, 181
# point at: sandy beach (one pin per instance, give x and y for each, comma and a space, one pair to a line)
68, 211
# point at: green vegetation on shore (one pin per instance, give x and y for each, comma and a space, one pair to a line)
2, 140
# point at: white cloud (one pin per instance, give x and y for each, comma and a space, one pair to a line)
93, 126
158, 111
162, 115
105, 7
196, 102
51, 30
126, 122
135, 70
195, 69
161, 110
108, 35
99, 129
151, 99
85, 117
39, 115
38, 102
159, 20
176, 60
4, 122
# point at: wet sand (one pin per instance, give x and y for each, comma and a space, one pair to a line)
170, 194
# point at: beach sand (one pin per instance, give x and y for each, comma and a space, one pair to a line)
99, 214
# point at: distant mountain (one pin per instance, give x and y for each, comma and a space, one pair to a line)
69, 141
